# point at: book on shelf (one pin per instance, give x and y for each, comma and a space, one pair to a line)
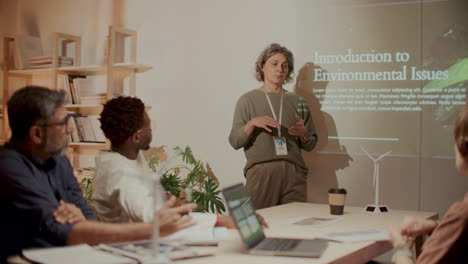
93, 99
74, 131
49, 65
73, 88
96, 127
25, 48
48, 59
79, 128
39, 62
86, 129
82, 90
66, 87
82, 86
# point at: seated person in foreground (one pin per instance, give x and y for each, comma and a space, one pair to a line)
124, 181
448, 242
41, 201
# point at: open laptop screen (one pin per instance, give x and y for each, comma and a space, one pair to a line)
243, 213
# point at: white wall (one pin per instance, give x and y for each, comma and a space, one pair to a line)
204, 55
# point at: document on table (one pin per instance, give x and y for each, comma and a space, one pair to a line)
78, 254
143, 250
311, 221
357, 235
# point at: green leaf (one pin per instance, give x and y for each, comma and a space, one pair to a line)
209, 200
200, 178
87, 186
172, 183
194, 175
187, 155
152, 162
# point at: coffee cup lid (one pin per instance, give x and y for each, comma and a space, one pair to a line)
337, 190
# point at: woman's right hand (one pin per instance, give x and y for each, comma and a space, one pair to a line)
174, 219
264, 122
410, 228
413, 227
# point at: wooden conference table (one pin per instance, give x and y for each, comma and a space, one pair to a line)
354, 218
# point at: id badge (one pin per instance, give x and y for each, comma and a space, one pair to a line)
280, 146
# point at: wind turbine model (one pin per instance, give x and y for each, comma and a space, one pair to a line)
376, 207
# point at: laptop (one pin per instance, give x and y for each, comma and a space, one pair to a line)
251, 232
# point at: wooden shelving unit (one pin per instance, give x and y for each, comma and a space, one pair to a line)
114, 70
122, 69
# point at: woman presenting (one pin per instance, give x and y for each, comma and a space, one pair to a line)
273, 125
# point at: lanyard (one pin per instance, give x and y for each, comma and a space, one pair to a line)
273, 110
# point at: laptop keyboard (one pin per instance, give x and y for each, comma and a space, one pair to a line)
277, 244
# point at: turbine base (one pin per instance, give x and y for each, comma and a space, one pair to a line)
377, 209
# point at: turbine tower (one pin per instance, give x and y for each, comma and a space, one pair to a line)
376, 207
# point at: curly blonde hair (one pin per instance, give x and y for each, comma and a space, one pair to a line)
269, 51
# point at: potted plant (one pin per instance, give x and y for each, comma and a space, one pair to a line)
85, 177
188, 179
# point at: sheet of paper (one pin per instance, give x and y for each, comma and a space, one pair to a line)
357, 235
311, 221
75, 255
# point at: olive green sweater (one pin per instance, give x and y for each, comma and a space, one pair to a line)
259, 147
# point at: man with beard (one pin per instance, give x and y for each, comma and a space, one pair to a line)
124, 181
40, 199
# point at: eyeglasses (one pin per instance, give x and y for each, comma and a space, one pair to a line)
64, 122
143, 129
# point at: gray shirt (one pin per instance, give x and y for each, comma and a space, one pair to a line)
259, 147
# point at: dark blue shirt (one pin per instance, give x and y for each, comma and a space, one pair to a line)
30, 190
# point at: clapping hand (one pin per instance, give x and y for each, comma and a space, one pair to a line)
172, 219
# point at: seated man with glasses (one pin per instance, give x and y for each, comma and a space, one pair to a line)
41, 201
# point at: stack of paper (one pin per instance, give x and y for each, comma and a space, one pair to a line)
357, 235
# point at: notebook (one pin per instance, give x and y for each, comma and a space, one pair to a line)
253, 237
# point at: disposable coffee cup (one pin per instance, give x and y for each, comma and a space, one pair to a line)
336, 200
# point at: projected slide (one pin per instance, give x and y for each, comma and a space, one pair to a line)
390, 74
